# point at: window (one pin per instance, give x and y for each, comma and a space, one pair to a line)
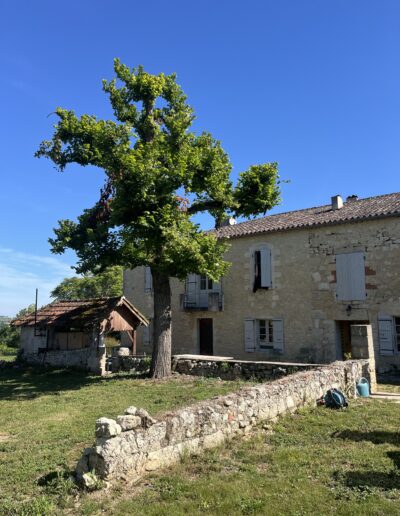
262, 268
199, 290
389, 335
205, 283
263, 335
350, 276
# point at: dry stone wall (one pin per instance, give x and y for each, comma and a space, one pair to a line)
228, 369
135, 443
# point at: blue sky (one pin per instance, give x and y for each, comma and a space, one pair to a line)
311, 84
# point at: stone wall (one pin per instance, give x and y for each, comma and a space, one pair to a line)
229, 369
87, 359
135, 443
130, 363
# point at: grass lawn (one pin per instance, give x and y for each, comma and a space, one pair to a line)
47, 419
318, 461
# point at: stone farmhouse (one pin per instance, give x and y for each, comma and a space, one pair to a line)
297, 283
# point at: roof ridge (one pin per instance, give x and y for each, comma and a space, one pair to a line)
316, 207
353, 210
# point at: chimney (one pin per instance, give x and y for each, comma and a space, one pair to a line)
337, 202
230, 221
352, 198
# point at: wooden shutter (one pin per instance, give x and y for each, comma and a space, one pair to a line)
266, 276
357, 275
249, 336
147, 334
277, 329
350, 276
148, 280
386, 335
191, 290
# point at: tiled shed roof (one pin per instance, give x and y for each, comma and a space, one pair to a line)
77, 313
354, 210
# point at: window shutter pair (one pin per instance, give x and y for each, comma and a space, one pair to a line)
386, 335
148, 280
250, 335
350, 277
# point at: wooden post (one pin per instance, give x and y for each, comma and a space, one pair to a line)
133, 341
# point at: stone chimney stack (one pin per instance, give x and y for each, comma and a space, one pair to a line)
337, 202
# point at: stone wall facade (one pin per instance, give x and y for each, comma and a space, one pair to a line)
34, 351
89, 359
135, 443
302, 295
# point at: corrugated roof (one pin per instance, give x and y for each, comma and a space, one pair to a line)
352, 211
77, 313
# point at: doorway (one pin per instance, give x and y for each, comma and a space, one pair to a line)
343, 329
206, 336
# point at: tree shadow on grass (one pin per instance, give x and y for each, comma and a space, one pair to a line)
361, 480
32, 382
375, 437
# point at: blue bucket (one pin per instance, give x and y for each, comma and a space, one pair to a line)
363, 388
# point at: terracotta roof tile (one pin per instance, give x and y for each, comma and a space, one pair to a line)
352, 211
77, 313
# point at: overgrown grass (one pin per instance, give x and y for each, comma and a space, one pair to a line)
47, 419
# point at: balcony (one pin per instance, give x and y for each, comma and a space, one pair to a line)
210, 302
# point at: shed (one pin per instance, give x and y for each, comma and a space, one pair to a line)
71, 332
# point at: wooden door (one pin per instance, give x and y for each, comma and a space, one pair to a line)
206, 336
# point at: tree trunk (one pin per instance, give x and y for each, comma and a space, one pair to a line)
161, 360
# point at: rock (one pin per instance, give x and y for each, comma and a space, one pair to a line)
107, 427
147, 420
89, 481
123, 352
228, 403
129, 422
131, 411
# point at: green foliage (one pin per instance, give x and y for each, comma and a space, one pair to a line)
25, 311
158, 174
9, 337
104, 284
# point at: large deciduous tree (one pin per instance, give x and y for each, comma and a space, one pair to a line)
158, 174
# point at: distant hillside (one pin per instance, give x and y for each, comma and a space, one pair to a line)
4, 320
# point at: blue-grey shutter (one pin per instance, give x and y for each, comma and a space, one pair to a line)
191, 290
147, 334
249, 336
343, 290
356, 264
148, 280
266, 276
277, 330
350, 276
386, 335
